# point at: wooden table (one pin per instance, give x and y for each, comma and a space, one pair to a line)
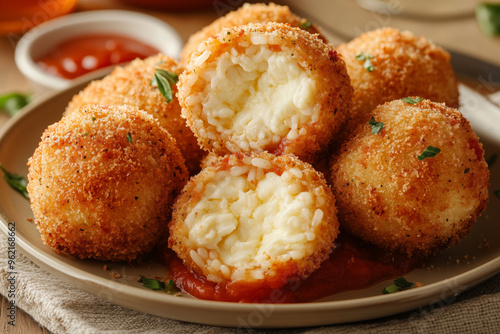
341, 19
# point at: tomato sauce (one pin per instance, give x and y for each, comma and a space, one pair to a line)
352, 265
87, 53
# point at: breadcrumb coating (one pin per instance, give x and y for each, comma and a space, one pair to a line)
389, 197
102, 182
255, 220
132, 85
270, 87
248, 13
403, 65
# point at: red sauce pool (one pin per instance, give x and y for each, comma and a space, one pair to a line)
87, 53
352, 265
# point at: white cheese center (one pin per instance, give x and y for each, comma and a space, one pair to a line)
258, 98
248, 226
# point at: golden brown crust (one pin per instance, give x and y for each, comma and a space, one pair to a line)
389, 197
332, 94
102, 182
131, 85
404, 65
248, 13
276, 272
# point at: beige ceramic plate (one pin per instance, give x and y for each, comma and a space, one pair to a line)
459, 268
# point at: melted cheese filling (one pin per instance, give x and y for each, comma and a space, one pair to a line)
258, 98
237, 226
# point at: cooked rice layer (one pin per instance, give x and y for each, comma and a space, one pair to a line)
248, 13
265, 88
254, 218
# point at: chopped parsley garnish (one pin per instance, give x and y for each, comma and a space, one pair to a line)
400, 284
366, 57
305, 24
129, 137
491, 160
11, 103
164, 81
429, 152
497, 193
376, 126
411, 100
17, 182
154, 284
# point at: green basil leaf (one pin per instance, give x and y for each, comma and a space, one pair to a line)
152, 283
13, 102
429, 152
376, 126
488, 18
305, 25
390, 289
16, 182
411, 100
402, 283
155, 284
164, 80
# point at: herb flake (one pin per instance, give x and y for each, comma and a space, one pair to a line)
488, 18
376, 126
429, 152
411, 100
17, 182
366, 58
155, 284
164, 81
400, 284
129, 137
306, 24
13, 102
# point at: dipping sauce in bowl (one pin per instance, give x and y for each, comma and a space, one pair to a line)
64, 49
83, 54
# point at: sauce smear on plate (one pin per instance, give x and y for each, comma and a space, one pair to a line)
352, 265
87, 53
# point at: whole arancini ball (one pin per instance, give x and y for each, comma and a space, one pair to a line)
391, 195
388, 64
102, 182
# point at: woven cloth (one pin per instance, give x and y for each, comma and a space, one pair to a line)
62, 308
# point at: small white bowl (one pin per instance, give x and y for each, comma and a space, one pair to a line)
41, 39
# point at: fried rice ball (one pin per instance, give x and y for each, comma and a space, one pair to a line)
248, 13
390, 197
402, 65
268, 87
254, 220
133, 85
102, 182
